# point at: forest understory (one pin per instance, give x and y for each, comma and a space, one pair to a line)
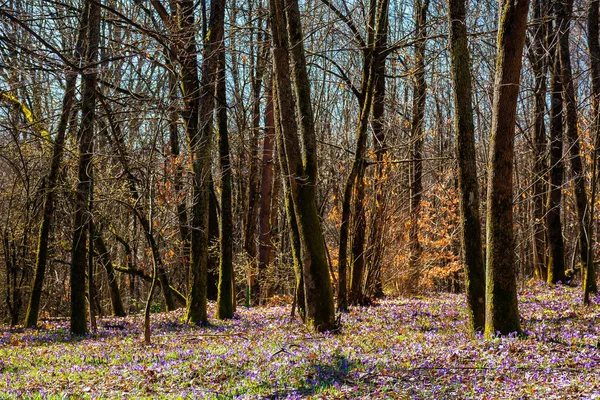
419, 347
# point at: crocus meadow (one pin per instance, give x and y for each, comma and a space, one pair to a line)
400, 348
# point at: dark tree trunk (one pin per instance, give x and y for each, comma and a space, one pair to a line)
258, 71
373, 284
113, 285
226, 295
540, 68
589, 275
416, 132
198, 116
556, 254
265, 247
41, 259
468, 186
564, 16
358, 238
85, 138
92, 296
212, 278
502, 313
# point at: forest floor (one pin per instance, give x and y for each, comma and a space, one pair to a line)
401, 348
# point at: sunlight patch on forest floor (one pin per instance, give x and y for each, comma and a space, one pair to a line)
406, 348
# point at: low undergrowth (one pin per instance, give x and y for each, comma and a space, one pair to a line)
401, 348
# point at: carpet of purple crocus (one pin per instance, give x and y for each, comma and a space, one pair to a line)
401, 348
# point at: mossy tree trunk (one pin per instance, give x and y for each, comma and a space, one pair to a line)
85, 138
294, 233
468, 186
502, 313
301, 160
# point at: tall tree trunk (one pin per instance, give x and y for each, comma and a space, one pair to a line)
301, 161
416, 132
294, 233
265, 248
589, 275
41, 257
258, 66
468, 186
581, 201
556, 256
226, 295
502, 313
373, 284
378, 19
198, 116
357, 262
373, 75
540, 68
85, 138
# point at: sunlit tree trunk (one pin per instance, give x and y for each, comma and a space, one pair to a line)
468, 186
502, 313
301, 160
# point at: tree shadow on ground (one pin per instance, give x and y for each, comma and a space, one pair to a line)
320, 376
